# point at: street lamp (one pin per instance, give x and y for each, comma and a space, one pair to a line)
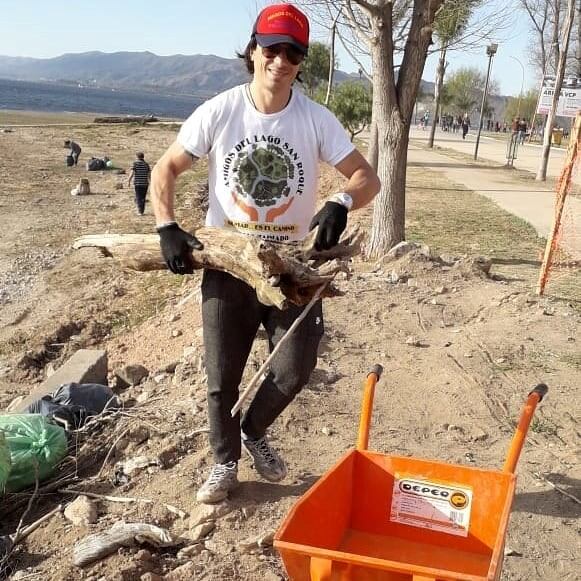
521, 84
490, 51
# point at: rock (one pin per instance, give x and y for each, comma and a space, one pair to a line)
440, 290
143, 555
393, 277
202, 530
13, 405
136, 464
150, 577
186, 572
81, 512
219, 547
247, 546
248, 511
266, 539
326, 431
173, 318
190, 551
176, 333
414, 342
132, 374
190, 352
170, 367
142, 397
159, 377
405, 247
508, 552
482, 264
500, 360
138, 434
478, 435
119, 186
209, 512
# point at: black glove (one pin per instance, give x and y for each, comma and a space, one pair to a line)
331, 220
176, 246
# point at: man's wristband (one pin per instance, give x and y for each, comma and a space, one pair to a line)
165, 225
342, 198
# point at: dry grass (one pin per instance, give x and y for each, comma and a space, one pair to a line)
456, 221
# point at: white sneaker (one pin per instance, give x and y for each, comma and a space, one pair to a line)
266, 459
223, 478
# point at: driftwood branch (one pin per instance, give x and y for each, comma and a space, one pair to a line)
280, 273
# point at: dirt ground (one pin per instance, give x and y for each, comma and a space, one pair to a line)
460, 350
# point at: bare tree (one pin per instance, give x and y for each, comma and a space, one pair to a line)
546, 20
570, 15
386, 28
449, 26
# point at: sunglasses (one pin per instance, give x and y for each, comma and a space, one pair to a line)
292, 54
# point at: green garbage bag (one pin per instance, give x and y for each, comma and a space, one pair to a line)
33, 442
5, 462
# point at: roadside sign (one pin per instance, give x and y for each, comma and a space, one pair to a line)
569, 100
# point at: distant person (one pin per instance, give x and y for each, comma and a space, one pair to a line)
515, 125
454, 125
465, 125
140, 174
75, 150
522, 130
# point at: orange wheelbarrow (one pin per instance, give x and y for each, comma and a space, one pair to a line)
380, 517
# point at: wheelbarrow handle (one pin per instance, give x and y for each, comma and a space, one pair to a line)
518, 440
367, 406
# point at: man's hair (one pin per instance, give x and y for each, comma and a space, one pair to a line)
247, 54
247, 57
67, 142
140, 155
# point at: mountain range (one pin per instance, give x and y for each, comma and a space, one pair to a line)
200, 75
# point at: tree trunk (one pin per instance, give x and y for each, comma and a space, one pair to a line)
438, 93
578, 47
331, 62
373, 147
389, 208
555, 35
393, 108
542, 171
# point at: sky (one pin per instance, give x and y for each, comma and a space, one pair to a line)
44, 29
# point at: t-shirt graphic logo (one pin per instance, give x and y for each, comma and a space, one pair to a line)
262, 181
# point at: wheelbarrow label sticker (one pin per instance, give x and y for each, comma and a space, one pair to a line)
431, 505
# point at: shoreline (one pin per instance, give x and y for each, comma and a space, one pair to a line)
14, 118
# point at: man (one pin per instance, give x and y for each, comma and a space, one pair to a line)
140, 173
75, 150
263, 141
465, 125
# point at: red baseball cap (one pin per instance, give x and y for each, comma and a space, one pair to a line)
282, 23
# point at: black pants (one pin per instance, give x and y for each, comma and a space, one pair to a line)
231, 316
140, 194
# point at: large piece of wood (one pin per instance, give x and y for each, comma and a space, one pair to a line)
280, 273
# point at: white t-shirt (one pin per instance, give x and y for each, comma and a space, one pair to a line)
263, 168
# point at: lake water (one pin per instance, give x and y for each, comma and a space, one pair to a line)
30, 96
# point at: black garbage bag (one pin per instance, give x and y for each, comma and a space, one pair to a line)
73, 403
96, 164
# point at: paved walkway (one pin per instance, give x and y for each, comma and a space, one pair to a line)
534, 201
494, 149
